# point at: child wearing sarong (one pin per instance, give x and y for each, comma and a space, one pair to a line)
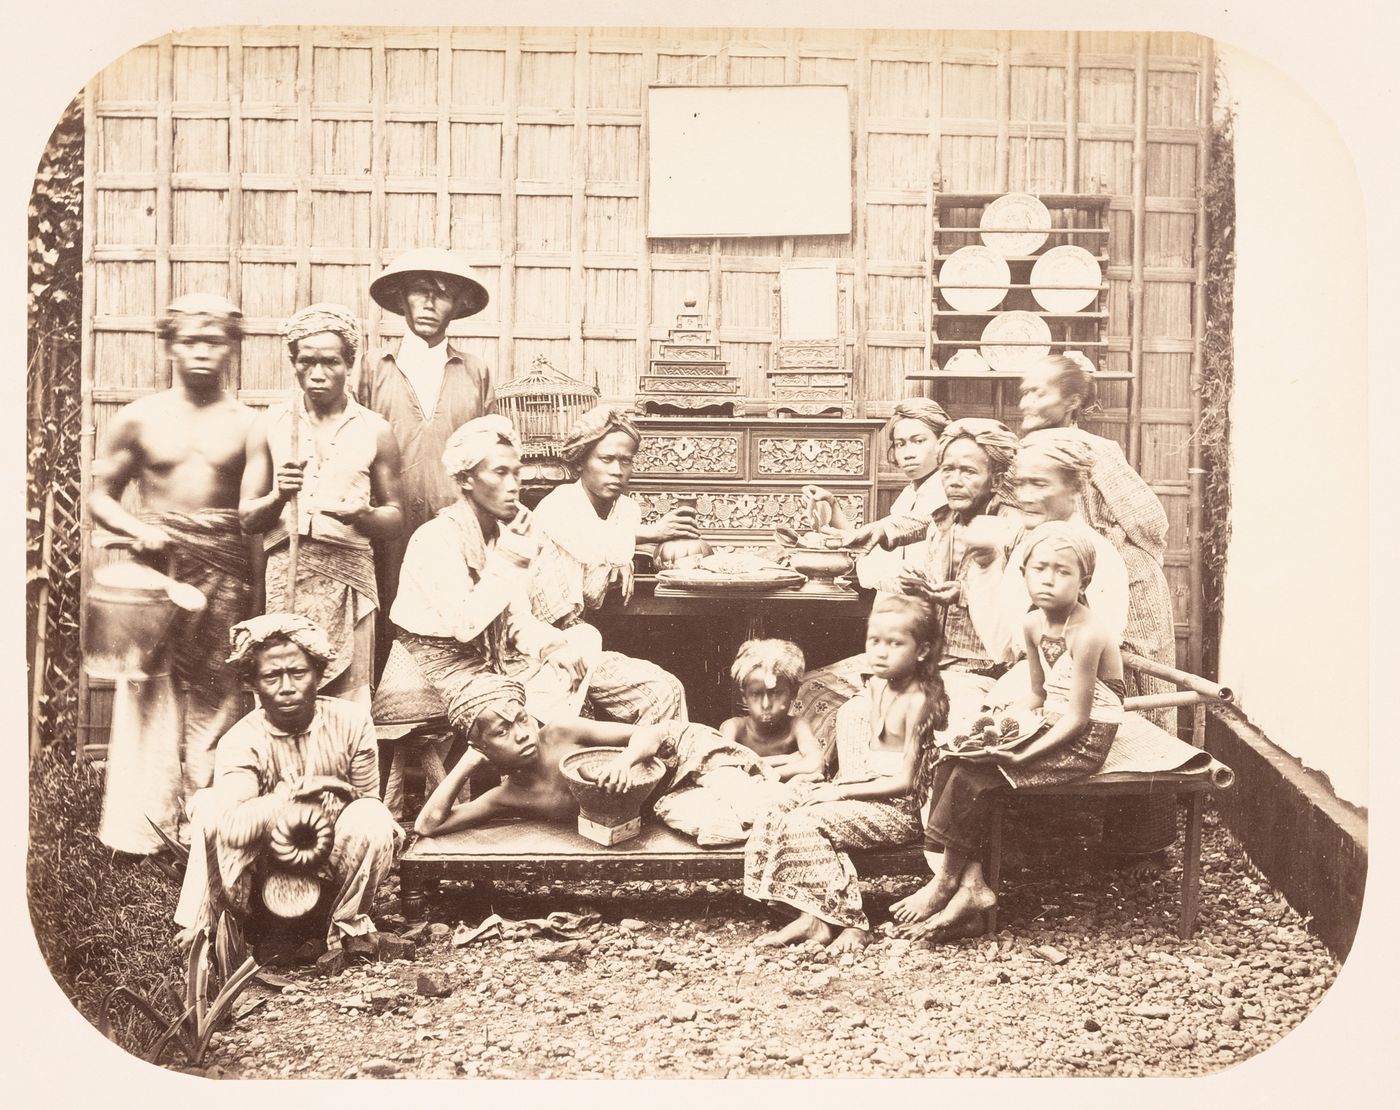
796, 853
768, 673
1076, 674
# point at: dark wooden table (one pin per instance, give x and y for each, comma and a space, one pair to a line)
696, 635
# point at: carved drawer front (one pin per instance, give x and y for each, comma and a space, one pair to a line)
689, 352
679, 336
816, 456
809, 381
689, 369
828, 408
746, 509
684, 453
810, 354
690, 322
667, 383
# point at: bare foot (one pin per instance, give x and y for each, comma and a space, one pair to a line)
849, 940
801, 929
919, 906
966, 908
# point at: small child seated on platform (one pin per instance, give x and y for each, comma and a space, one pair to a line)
768, 673
1076, 672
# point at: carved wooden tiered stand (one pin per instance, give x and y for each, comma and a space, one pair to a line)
689, 377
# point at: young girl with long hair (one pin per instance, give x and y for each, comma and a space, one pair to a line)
796, 853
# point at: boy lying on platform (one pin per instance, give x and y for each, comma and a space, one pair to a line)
768, 673
714, 791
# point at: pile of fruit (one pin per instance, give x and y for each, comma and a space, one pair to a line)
987, 732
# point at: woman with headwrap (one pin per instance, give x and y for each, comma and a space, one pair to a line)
959, 573
896, 541
338, 464
462, 610
589, 531
1118, 504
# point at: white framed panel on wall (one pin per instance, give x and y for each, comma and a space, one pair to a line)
755, 160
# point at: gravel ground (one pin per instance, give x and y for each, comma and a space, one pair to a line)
668, 986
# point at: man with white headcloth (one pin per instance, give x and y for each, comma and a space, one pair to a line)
462, 610
328, 469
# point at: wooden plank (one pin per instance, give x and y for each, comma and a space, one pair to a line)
860, 110
378, 77
442, 228
504, 370
165, 141
305, 59
577, 303
1135, 287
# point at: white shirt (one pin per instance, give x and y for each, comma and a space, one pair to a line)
424, 367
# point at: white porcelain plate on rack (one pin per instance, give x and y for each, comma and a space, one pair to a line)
1012, 341
1066, 279
974, 279
1005, 222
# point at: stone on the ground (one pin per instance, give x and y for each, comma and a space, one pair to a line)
684, 1011
433, 984
379, 1067
331, 963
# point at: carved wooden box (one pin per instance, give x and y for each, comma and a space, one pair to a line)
747, 473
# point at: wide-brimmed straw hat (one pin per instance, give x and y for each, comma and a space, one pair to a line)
428, 260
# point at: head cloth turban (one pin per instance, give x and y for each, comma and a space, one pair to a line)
775, 661
1061, 448
201, 306
1068, 535
246, 637
487, 690
471, 443
923, 410
591, 427
317, 318
996, 440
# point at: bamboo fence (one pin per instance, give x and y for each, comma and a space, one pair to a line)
284, 165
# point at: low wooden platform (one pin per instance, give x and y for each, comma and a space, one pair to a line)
537, 850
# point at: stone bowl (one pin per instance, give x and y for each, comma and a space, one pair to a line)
822, 566
580, 771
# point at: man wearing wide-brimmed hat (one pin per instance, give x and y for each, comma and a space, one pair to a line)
427, 388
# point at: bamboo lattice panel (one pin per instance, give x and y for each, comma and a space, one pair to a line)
285, 165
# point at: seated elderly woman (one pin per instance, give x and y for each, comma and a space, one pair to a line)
295, 753
462, 610
974, 459
589, 531
715, 789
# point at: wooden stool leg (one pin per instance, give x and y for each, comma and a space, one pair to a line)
993, 865
1191, 865
410, 894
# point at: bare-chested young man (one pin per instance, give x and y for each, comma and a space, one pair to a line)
502, 732
184, 449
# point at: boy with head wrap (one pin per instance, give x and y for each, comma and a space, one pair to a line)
338, 463
589, 530
184, 448
768, 674
295, 750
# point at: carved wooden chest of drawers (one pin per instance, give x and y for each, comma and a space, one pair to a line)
747, 473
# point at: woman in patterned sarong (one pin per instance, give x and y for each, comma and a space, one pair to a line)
589, 531
1120, 505
796, 853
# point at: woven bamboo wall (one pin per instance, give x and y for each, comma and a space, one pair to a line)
285, 165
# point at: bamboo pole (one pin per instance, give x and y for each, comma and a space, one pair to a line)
1179, 678
294, 535
1195, 602
1136, 286
87, 432
41, 637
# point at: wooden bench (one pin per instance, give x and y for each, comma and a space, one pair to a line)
536, 850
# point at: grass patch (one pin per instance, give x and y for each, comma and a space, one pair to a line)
101, 920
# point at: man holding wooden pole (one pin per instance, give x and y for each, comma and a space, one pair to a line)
323, 477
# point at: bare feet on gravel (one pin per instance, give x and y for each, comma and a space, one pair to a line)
801, 929
849, 940
966, 910
919, 906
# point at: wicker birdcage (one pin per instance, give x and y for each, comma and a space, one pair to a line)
543, 404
